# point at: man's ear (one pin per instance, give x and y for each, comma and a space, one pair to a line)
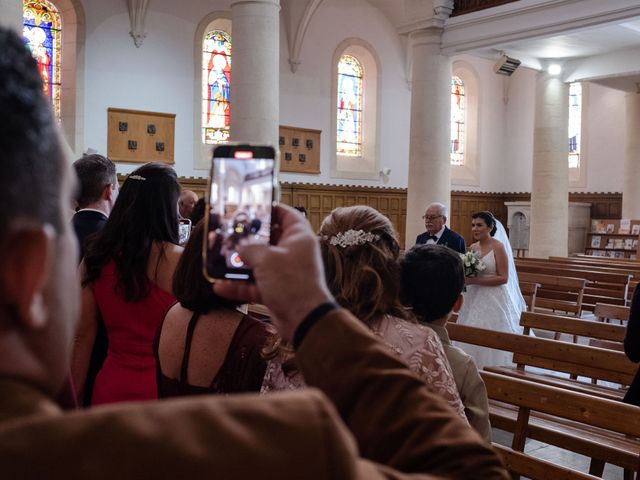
23, 274
107, 193
458, 305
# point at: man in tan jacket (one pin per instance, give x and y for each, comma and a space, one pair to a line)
368, 418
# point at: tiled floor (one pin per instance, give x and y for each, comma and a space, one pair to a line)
558, 455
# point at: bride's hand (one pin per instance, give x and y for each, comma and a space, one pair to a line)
470, 280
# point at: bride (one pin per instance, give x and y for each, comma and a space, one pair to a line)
492, 299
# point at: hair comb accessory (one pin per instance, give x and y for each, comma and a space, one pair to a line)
353, 237
137, 177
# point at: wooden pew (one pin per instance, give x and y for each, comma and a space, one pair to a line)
572, 326
565, 357
604, 287
607, 431
529, 291
557, 293
519, 463
605, 312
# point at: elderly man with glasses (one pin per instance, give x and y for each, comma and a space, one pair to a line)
435, 218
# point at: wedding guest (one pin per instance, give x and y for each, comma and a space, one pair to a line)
126, 279
187, 203
239, 437
432, 283
204, 344
198, 211
360, 253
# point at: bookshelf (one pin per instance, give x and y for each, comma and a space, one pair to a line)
613, 239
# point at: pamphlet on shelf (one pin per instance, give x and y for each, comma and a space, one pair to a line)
609, 243
599, 226
618, 243
635, 229
625, 226
611, 228
628, 243
595, 241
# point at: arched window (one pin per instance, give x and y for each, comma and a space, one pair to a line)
350, 102
216, 82
42, 33
458, 120
575, 124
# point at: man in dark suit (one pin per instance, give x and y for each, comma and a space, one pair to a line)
97, 194
435, 218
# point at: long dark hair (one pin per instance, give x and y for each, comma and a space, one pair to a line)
146, 212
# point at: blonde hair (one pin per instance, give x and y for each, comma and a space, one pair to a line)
364, 277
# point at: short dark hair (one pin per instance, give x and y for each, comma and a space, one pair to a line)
94, 173
32, 160
432, 278
489, 219
146, 212
190, 287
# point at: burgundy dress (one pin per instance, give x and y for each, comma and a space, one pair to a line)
242, 370
128, 372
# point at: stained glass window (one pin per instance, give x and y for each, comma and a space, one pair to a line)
216, 82
42, 33
575, 122
458, 114
350, 100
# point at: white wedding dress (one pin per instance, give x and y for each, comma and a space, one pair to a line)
493, 308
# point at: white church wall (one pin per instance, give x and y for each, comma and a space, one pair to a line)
604, 139
305, 96
158, 76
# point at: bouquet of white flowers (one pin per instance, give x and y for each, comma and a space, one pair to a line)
472, 263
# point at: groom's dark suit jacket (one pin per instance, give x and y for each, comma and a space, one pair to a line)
449, 238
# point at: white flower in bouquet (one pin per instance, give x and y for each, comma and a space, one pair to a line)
473, 264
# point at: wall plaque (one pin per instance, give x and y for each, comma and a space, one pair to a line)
299, 149
140, 137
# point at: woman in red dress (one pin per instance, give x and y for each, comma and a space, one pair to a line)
126, 278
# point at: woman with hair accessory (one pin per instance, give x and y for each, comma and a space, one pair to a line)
126, 278
493, 299
360, 252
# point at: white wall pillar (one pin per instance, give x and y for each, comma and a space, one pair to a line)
255, 83
429, 159
550, 176
631, 187
11, 15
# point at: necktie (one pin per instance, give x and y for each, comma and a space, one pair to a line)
432, 237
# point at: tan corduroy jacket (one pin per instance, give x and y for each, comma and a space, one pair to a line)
392, 427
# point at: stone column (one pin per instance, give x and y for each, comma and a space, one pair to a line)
255, 79
11, 15
550, 178
631, 186
429, 144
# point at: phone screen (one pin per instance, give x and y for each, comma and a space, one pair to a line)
241, 195
184, 230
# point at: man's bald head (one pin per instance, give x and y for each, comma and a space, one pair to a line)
187, 202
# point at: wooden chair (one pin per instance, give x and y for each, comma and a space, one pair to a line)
607, 431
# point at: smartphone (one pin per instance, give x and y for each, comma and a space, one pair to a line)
241, 194
184, 230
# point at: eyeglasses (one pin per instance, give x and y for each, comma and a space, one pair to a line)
430, 217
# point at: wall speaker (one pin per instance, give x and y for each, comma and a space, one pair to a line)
506, 65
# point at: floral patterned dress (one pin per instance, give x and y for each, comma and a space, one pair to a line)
417, 346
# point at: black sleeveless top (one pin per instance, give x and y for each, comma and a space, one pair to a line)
242, 370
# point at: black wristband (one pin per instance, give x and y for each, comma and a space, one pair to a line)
310, 320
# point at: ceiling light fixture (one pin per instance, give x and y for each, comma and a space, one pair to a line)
554, 69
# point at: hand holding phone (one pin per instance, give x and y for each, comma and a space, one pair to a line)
240, 199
